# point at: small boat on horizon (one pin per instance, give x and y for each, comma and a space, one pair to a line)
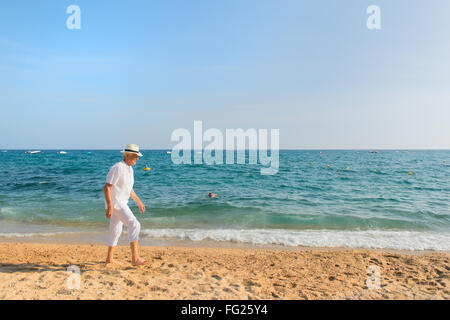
33, 151
62, 152
168, 152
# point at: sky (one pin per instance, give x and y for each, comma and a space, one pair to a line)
137, 70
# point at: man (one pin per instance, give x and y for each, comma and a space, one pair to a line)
118, 189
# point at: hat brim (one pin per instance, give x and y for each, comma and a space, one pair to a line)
132, 152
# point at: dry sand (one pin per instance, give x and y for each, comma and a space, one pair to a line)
39, 271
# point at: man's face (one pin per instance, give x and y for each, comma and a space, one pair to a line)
131, 159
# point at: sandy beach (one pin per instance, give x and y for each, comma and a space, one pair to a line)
39, 271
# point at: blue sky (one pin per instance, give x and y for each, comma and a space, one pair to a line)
137, 70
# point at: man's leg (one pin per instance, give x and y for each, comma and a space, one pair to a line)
134, 227
115, 229
135, 259
110, 257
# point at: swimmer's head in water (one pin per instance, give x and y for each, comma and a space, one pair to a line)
212, 195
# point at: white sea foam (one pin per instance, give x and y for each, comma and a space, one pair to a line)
33, 234
377, 239
6, 210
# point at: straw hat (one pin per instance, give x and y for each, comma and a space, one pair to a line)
132, 148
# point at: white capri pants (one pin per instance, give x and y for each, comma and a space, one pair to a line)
120, 217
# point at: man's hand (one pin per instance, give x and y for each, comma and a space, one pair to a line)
138, 201
109, 212
110, 207
141, 207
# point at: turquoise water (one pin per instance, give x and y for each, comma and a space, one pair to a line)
328, 198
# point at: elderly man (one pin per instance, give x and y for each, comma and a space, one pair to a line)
118, 189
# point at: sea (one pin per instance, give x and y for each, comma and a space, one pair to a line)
396, 199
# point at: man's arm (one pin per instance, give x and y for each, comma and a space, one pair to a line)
109, 204
138, 201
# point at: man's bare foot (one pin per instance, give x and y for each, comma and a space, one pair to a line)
110, 261
139, 262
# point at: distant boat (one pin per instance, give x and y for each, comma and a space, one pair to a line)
373, 151
62, 152
33, 152
168, 152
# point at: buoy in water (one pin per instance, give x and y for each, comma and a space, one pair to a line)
410, 173
146, 168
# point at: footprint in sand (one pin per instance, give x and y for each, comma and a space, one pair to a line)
195, 276
439, 272
64, 292
249, 283
442, 283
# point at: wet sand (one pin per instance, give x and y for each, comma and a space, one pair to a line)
39, 271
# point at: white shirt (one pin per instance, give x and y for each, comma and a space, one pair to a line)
121, 177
